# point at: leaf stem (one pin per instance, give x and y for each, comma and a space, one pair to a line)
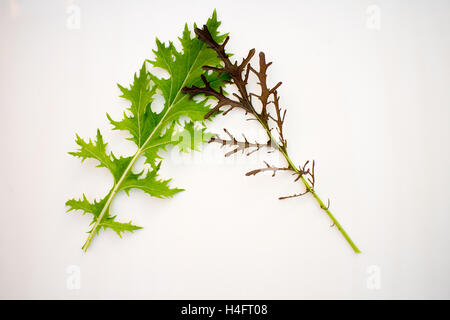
321, 204
309, 187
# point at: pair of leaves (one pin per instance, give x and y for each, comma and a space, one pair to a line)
152, 131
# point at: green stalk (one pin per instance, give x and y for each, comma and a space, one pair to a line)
308, 186
321, 204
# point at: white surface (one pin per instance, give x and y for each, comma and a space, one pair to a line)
371, 106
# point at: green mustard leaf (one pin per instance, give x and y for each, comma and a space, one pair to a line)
150, 184
97, 150
185, 69
95, 209
152, 132
118, 227
142, 121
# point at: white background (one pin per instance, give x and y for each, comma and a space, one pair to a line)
367, 98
